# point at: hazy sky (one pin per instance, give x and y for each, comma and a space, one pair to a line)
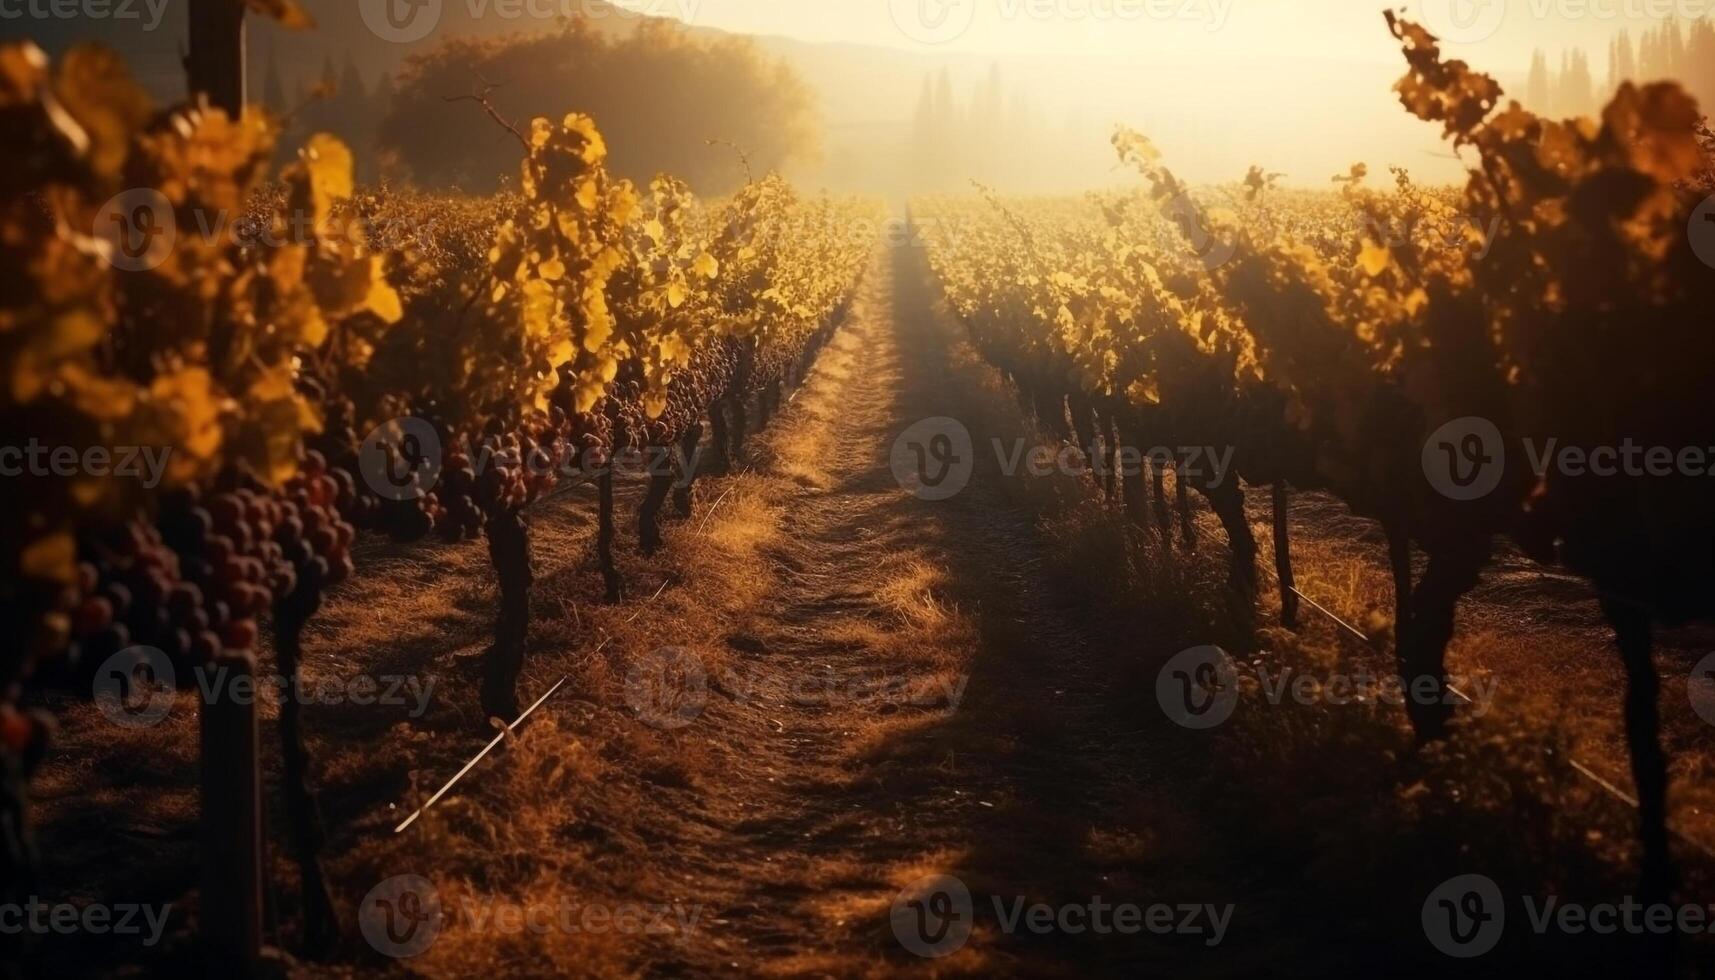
1496, 33
1297, 86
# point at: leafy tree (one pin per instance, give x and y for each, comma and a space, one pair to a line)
658, 93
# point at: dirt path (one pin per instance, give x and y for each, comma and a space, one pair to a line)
846, 689
916, 707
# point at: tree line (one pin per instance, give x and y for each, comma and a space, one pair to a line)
1669, 51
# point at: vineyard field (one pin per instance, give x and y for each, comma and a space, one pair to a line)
735, 521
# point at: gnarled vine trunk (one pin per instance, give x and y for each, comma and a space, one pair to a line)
605, 535
1227, 500
721, 444
1187, 526
1399, 561
509, 551
1163, 511
1113, 455
689, 462
1283, 557
1454, 566
658, 461
1632, 629
303, 815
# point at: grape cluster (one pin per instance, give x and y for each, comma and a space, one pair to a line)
693, 392
128, 587
24, 734
195, 582
316, 502
507, 467
591, 433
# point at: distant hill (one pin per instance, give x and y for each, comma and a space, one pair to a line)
340, 36
865, 94
892, 121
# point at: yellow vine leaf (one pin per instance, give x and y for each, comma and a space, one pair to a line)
328, 162
52, 558
1374, 259
383, 300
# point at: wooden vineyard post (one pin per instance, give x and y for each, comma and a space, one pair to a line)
1283, 557
659, 462
231, 821
231, 781
215, 65
291, 613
